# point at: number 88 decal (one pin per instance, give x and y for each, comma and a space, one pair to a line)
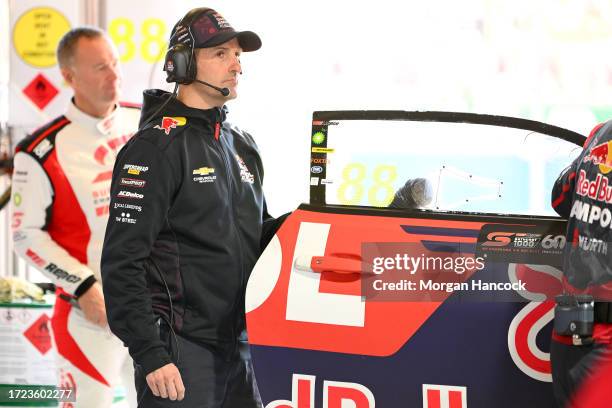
352, 189
153, 46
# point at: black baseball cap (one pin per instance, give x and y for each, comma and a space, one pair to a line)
210, 29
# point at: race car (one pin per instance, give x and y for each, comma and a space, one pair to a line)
344, 308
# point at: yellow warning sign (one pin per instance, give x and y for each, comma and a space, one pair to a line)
36, 35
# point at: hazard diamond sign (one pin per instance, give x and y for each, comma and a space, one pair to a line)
40, 91
38, 334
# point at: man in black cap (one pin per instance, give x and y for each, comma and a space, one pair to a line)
187, 223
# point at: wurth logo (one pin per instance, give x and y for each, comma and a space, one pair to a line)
444, 396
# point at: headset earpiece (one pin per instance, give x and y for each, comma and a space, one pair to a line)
180, 65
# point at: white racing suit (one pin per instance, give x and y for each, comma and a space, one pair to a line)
61, 186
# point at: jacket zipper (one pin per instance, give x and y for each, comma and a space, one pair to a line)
231, 199
217, 130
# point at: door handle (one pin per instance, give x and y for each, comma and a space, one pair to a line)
338, 264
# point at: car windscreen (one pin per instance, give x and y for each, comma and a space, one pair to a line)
472, 163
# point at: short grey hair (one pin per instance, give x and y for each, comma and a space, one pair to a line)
67, 44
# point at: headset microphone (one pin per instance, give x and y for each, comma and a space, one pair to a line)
224, 91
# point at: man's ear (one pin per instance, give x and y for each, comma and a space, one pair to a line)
68, 75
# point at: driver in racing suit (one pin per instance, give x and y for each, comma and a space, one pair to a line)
583, 195
61, 192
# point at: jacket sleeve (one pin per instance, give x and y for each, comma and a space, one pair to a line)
32, 200
269, 226
566, 182
562, 191
141, 192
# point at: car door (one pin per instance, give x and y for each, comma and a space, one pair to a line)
333, 319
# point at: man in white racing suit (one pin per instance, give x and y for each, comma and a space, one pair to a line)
61, 186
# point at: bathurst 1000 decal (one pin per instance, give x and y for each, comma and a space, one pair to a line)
319, 340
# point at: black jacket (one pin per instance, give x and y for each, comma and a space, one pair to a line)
583, 195
187, 211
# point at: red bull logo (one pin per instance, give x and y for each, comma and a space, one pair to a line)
336, 394
600, 155
168, 123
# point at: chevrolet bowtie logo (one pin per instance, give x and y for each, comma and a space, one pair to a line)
204, 171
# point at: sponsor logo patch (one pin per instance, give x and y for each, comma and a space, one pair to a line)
316, 169
203, 171
17, 199
245, 175
128, 206
171, 122
16, 222
591, 213
38, 261
126, 218
204, 175
19, 236
205, 179
129, 194
598, 189
43, 148
135, 169
601, 155
590, 244
133, 182
62, 274
169, 66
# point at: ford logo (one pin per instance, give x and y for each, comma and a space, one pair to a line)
316, 169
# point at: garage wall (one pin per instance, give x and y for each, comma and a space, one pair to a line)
546, 61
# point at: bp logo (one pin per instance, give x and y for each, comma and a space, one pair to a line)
318, 138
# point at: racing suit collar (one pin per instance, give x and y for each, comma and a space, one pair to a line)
154, 98
93, 125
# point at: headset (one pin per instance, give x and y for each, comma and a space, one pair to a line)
179, 62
